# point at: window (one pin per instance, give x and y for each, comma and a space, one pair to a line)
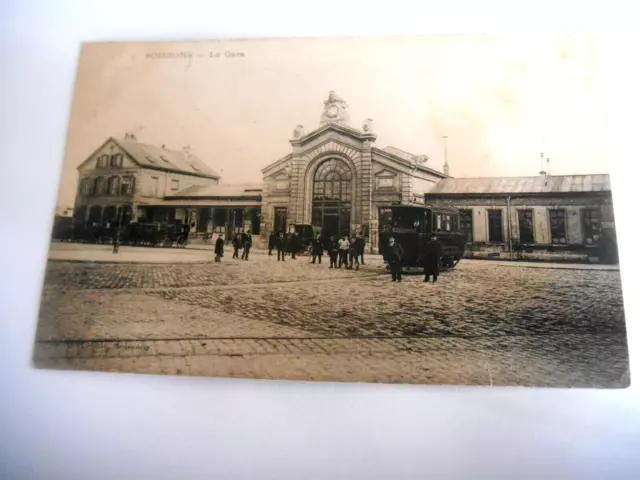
150, 160
558, 225
113, 186
126, 186
116, 160
466, 224
155, 183
195, 168
447, 222
164, 159
525, 225
175, 184
495, 225
385, 182
438, 221
103, 161
99, 186
280, 219
332, 182
591, 225
87, 186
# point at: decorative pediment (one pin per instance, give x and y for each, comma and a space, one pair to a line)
385, 173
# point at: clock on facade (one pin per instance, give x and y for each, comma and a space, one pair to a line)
332, 111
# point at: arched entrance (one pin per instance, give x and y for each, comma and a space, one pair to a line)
332, 195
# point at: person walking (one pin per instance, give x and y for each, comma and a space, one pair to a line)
332, 250
248, 242
237, 243
431, 258
354, 253
317, 248
280, 245
361, 244
393, 256
219, 248
343, 252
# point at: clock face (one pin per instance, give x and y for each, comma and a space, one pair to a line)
332, 111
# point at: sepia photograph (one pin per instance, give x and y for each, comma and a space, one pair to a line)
431, 210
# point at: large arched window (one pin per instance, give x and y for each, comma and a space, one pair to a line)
332, 182
332, 195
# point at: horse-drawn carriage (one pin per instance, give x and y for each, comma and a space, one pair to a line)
412, 226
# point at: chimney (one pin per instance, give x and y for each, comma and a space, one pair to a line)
130, 136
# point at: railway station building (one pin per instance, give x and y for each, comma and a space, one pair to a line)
335, 178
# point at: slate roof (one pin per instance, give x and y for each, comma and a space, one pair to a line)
520, 185
220, 191
157, 157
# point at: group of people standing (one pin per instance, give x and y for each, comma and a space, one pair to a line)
240, 241
347, 251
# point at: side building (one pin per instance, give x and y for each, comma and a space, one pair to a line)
123, 179
572, 213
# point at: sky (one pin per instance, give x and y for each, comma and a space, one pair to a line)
501, 101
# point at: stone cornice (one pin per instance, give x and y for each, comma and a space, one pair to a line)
406, 163
266, 170
351, 132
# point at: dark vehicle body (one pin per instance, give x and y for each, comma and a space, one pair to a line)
305, 236
412, 226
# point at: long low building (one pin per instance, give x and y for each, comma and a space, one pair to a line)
557, 211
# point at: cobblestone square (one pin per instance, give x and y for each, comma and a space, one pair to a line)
483, 323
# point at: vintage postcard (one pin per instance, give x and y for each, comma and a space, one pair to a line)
424, 210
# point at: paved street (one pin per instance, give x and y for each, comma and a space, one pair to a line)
484, 323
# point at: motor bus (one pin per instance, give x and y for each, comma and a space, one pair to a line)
412, 226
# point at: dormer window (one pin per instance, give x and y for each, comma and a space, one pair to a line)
103, 161
116, 160
195, 168
164, 159
151, 160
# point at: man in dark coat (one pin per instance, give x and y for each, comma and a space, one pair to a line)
317, 248
431, 258
393, 257
219, 248
237, 243
272, 239
185, 234
248, 242
280, 245
353, 253
360, 244
294, 244
332, 250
